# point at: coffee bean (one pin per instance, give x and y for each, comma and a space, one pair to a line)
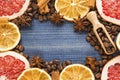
60, 67
100, 63
107, 45
100, 34
56, 61
51, 62
63, 64
88, 38
106, 40
92, 43
108, 28
101, 68
104, 57
30, 14
104, 61
21, 48
17, 51
29, 10
41, 18
97, 69
68, 62
90, 35
97, 47
98, 75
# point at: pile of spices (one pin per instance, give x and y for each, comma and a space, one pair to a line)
54, 65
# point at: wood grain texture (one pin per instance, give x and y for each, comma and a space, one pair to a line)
56, 42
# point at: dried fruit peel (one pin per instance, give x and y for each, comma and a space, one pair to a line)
104, 75
11, 65
76, 72
108, 12
34, 74
10, 36
13, 8
118, 41
71, 10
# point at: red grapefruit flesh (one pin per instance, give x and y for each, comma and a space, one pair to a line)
109, 10
111, 70
13, 8
114, 72
11, 65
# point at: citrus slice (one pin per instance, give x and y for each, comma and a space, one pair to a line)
118, 41
12, 65
111, 70
13, 8
76, 72
34, 74
72, 9
109, 10
9, 36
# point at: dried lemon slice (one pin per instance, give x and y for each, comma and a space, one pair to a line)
34, 74
118, 41
71, 9
9, 36
76, 72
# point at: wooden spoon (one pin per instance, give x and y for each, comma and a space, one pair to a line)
92, 17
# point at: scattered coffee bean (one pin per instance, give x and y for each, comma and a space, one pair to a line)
98, 75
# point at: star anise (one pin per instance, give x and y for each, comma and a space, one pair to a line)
22, 20
79, 24
36, 61
25, 20
56, 18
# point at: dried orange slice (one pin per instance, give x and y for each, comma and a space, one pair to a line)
76, 72
34, 74
9, 36
71, 9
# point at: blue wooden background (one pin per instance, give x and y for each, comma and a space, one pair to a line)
56, 42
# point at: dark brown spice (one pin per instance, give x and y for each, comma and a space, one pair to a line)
56, 18
55, 75
98, 75
79, 25
36, 61
55, 65
91, 61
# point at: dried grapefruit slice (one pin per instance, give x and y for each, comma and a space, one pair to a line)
11, 65
76, 72
34, 74
111, 70
9, 36
109, 10
13, 8
72, 9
